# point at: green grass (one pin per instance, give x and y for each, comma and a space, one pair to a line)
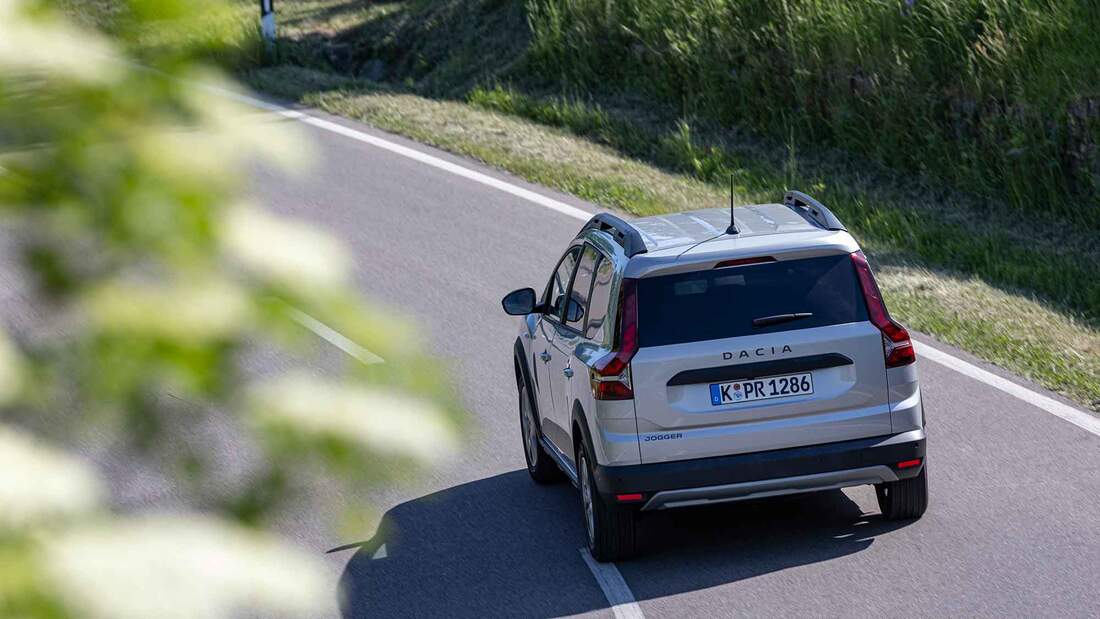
995, 96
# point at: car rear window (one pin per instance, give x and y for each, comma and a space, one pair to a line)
721, 303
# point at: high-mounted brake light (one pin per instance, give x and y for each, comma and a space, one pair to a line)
610, 374
743, 261
896, 345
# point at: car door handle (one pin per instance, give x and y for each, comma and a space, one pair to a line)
545, 356
568, 372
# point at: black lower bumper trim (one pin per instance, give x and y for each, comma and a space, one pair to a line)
758, 466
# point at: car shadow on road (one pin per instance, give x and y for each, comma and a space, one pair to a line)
502, 545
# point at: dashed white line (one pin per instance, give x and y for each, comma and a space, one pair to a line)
615, 589
1077, 417
334, 337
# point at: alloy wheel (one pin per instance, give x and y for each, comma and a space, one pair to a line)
586, 500
527, 423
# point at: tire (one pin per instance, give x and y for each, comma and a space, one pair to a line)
539, 465
610, 529
905, 499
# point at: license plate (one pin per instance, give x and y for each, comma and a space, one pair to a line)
762, 389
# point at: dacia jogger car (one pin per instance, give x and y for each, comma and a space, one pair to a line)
688, 359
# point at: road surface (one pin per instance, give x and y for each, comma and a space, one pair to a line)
1012, 528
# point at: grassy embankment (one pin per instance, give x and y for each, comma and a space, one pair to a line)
981, 219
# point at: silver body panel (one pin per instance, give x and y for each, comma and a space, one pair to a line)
906, 408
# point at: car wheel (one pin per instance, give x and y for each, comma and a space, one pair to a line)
610, 529
542, 469
905, 499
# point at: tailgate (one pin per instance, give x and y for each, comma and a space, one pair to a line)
769, 333
680, 421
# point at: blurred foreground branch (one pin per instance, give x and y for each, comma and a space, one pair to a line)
149, 275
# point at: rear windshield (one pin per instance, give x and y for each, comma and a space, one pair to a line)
721, 303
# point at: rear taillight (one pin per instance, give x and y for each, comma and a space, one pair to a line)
610, 374
896, 345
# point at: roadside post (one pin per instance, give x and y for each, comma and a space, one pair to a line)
267, 20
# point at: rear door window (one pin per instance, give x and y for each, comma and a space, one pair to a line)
582, 287
599, 301
722, 303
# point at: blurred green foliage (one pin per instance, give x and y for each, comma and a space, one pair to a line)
152, 281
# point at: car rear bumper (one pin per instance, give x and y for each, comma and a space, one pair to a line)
767, 473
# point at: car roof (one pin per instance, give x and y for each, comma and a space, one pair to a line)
684, 241
680, 230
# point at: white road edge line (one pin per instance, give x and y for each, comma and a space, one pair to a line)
1075, 416
615, 589
411, 153
334, 337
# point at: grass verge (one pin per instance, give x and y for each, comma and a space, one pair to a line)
990, 95
1023, 297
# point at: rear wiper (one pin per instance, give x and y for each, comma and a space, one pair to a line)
767, 321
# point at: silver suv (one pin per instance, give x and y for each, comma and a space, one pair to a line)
713, 356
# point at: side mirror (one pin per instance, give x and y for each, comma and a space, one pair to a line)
519, 302
575, 311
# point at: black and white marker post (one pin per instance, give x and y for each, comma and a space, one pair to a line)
267, 20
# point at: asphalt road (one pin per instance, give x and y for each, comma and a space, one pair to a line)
1012, 529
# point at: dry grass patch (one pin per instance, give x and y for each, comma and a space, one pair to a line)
1059, 351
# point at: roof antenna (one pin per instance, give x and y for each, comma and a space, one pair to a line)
733, 225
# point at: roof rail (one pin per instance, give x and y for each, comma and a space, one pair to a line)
805, 204
623, 233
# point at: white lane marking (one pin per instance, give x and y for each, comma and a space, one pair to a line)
411, 153
380, 553
1077, 417
334, 337
615, 589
